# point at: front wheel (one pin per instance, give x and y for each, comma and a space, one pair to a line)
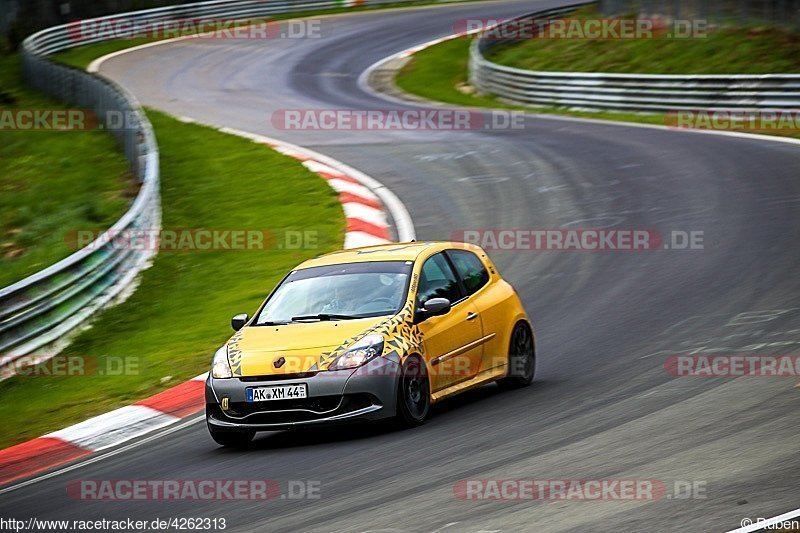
414, 393
231, 439
521, 359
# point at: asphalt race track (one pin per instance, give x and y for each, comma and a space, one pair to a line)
603, 405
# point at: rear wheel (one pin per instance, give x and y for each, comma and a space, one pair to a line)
521, 359
232, 439
414, 393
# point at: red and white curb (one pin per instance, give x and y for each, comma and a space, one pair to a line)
102, 431
365, 202
366, 220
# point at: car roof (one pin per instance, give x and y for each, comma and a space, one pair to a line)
396, 251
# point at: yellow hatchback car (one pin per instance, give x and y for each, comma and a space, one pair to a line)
366, 334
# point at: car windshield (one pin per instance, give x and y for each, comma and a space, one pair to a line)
338, 292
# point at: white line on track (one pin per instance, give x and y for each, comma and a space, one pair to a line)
769, 522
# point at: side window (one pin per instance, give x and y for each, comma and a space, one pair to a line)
470, 269
437, 280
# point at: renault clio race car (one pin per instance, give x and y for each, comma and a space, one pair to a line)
366, 334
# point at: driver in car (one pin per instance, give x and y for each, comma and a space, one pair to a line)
346, 298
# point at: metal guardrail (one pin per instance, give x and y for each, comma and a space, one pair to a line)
626, 92
41, 309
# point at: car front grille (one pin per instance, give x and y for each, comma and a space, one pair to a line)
317, 404
277, 377
295, 410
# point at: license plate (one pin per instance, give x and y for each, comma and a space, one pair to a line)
277, 392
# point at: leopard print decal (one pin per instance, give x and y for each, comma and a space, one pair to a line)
235, 353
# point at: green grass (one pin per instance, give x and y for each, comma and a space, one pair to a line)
52, 182
440, 73
180, 313
726, 50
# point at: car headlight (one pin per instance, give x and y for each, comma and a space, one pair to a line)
367, 348
220, 367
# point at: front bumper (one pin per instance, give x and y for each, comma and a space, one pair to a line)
368, 392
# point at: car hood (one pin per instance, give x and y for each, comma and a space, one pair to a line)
254, 350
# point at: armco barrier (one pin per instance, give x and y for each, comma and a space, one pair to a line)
41, 309
626, 92
44, 307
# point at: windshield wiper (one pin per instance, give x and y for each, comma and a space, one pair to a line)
272, 323
324, 316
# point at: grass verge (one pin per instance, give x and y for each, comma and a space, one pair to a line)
50, 181
722, 50
440, 73
179, 315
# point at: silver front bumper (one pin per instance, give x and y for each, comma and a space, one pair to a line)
366, 393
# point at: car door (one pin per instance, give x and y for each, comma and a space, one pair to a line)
452, 341
489, 301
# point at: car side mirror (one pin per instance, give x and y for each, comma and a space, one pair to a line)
239, 321
433, 307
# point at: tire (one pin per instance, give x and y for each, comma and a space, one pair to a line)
232, 439
521, 359
413, 393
